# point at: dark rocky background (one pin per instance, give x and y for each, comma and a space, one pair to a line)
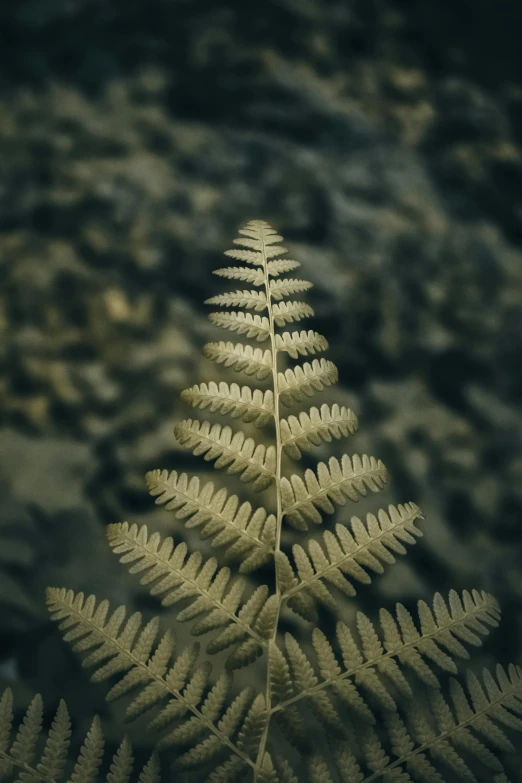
383, 139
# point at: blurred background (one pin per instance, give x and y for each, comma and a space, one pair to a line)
383, 139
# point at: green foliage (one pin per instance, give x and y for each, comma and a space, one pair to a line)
365, 705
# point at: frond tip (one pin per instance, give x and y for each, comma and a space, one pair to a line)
311, 429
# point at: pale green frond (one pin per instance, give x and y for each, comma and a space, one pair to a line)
253, 727
300, 343
305, 380
242, 358
90, 757
318, 770
284, 771
280, 267
54, 755
305, 682
460, 727
337, 481
287, 312
352, 554
250, 405
122, 763
372, 661
205, 751
311, 429
232, 770
253, 326
287, 287
23, 748
184, 683
249, 299
244, 273
151, 772
117, 650
236, 634
175, 577
233, 451
345, 762
260, 240
280, 679
253, 257
221, 517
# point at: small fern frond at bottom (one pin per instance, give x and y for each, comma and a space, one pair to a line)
20, 756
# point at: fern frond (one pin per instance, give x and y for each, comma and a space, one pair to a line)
175, 578
235, 452
310, 429
19, 756
348, 553
286, 287
337, 481
221, 517
232, 770
251, 300
121, 767
207, 750
462, 730
260, 240
276, 268
368, 659
305, 380
242, 358
253, 257
244, 273
250, 405
253, 726
254, 326
287, 312
295, 343
117, 650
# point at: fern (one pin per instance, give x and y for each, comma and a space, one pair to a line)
359, 685
22, 759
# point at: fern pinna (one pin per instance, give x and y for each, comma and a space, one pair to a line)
345, 705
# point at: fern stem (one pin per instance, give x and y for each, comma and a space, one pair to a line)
279, 513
